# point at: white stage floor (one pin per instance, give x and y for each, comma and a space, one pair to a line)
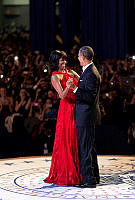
22, 179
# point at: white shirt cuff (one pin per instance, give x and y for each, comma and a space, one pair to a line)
74, 91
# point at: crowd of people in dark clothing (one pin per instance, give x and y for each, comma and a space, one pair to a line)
29, 104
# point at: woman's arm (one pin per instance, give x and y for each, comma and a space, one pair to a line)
18, 105
75, 75
31, 109
11, 104
28, 104
57, 86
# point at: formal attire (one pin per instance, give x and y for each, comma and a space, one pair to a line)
87, 115
65, 162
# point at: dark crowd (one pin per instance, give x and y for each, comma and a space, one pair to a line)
29, 104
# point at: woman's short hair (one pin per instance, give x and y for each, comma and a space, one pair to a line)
54, 59
87, 52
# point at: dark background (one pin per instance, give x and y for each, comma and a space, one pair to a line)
107, 26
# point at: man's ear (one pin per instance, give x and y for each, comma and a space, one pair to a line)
83, 58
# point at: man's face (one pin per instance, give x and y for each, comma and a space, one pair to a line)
80, 58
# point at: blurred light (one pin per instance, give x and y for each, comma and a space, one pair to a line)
16, 58
111, 83
133, 57
107, 94
45, 70
1, 76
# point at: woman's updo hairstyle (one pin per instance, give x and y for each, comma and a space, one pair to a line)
54, 59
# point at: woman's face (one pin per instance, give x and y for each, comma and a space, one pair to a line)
40, 102
3, 92
50, 94
62, 64
22, 93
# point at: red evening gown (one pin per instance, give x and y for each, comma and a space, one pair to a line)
65, 162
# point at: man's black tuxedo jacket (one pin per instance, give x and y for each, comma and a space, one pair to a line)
87, 110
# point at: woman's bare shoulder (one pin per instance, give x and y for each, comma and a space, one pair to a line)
57, 76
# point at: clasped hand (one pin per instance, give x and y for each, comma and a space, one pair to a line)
70, 83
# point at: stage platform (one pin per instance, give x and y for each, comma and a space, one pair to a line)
22, 179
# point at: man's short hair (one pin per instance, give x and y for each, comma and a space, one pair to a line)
87, 52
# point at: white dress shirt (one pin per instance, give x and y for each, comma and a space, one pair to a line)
83, 68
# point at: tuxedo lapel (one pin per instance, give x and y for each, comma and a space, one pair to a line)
85, 71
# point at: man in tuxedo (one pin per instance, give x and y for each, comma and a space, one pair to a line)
87, 115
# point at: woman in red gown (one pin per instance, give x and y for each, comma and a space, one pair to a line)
65, 162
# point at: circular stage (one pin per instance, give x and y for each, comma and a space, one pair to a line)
22, 179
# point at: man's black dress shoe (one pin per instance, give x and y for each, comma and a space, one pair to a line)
77, 185
97, 180
85, 185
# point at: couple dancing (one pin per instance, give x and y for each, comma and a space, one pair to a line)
74, 158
